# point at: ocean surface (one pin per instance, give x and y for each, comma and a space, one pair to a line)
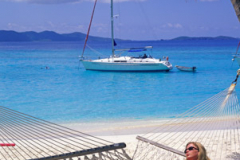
46, 80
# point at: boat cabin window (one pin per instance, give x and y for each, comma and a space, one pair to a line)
142, 56
121, 61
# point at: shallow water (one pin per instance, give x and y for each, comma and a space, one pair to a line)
65, 92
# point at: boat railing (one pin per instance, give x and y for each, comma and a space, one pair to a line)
92, 57
143, 52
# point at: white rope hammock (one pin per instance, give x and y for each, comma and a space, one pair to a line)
25, 137
215, 123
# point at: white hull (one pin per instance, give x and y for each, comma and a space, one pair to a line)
127, 64
186, 69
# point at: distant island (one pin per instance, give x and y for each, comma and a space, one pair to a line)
13, 36
206, 38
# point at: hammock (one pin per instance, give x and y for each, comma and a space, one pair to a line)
215, 123
25, 137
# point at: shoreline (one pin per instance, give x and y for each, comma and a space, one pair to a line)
127, 131
116, 128
117, 131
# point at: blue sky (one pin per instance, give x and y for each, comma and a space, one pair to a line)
137, 19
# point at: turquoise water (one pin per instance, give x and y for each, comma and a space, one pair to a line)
65, 92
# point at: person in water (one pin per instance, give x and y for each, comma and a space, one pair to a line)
195, 151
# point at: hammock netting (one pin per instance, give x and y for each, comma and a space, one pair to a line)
23, 137
215, 123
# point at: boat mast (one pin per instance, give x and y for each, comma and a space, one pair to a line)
112, 34
89, 27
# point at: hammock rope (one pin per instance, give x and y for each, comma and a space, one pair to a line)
215, 123
39, 139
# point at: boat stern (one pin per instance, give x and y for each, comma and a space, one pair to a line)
167, 64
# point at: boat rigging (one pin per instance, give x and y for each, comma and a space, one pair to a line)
124, 63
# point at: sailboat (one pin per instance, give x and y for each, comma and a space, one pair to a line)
116, 62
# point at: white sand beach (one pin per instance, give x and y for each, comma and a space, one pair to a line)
220, 143
117, 132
